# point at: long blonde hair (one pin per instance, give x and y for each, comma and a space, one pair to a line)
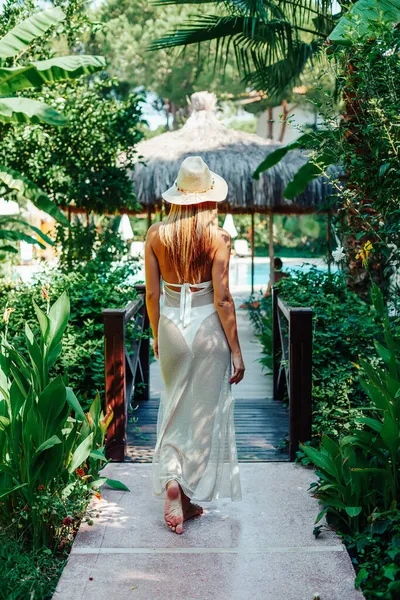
188, 234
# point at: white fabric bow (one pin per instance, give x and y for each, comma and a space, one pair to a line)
185, 304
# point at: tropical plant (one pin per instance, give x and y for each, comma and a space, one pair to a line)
365, 74
362, 471
97, 274
16, 78
49, 447
359, 475
17, 108
365, 142
273, 40
85, 164
343, 333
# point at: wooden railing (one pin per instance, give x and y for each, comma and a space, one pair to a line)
126, 368
292, 366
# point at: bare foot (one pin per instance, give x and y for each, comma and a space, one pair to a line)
173, 511
178, 507
191, 510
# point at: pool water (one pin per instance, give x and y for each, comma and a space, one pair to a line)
240, 270
240, 273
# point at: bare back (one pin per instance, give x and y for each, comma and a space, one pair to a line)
166, 269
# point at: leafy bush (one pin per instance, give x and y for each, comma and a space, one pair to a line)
375, 553
359, 477
49, 448
343, 332
92, 285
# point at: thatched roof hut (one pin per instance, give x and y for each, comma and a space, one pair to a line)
232, 154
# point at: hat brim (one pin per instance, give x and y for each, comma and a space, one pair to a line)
217, 194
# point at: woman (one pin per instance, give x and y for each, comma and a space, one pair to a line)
196, 341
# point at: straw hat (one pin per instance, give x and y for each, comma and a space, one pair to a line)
195, 183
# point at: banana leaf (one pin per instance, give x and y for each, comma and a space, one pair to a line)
16, 236
26, 188
20, 37
307, 140
356, 23
307, 173
44, 72
25, 110
44, 237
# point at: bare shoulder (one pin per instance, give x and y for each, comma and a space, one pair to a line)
223, 235
152, 231
224, 238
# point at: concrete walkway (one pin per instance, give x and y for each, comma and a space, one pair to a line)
261, 548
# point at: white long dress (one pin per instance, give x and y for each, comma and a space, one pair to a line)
196, 443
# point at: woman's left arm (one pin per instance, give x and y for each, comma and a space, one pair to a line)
153, 288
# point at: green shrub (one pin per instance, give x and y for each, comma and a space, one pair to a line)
50, 450
82, 358
27, 573
359, 477
343, 331
375, 553
95, 269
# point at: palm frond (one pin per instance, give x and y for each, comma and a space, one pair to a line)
180, 2
250, 32
276, 77
266, 35
249, 37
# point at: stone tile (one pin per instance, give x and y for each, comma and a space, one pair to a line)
261, 548
262, 576
276, 509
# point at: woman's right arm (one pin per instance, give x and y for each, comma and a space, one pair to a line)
224, 302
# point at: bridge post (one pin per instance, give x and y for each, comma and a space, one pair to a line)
115, 382
143, 365
300, 373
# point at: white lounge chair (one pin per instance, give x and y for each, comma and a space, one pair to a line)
137, 249
241, 248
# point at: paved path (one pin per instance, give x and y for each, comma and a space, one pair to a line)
261, 548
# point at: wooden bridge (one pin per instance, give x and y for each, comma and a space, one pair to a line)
267, 429
129, 552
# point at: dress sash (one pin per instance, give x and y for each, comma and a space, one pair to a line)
186, 297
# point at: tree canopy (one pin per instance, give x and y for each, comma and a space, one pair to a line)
129, 28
